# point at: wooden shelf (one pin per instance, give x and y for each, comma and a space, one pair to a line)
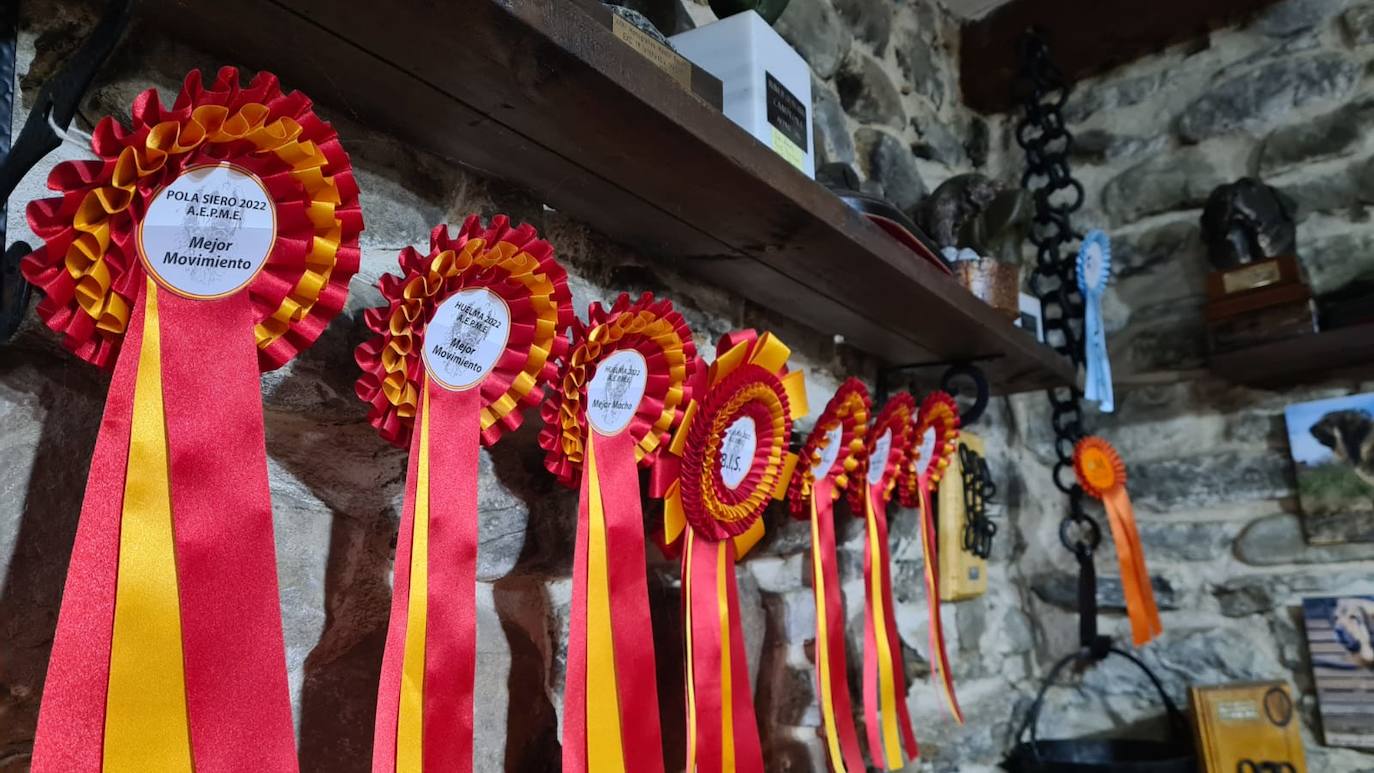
538, 93
1346, 350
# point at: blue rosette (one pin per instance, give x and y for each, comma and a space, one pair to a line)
1094, 274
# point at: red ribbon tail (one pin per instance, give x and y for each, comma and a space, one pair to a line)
451, 618
748, 749
71, 728
699, 559
238, 701
389, 687
631, 624
833, 609
940, 654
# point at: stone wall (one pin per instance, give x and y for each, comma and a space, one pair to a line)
1218, 518
1284, 97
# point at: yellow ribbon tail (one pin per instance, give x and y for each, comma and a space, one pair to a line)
887, 688
605, 751
146, 725
727, 705
410, 714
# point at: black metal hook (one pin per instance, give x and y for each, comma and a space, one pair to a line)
43, 131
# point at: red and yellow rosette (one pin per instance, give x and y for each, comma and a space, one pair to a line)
1102, 474
203, 244
885, 712
727, 459
934, 442
469, 337
625, 383
827, 463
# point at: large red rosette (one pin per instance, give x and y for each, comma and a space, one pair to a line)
142, 674
425, 698
935, 439
738, 424
828, 461
885, 711
625, 384
88, 268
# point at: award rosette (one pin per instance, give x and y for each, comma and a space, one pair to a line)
1094, 270
1102, 474
205, 243
936, 440
625, 384
828, 459
469, 336
885, 713
727, 459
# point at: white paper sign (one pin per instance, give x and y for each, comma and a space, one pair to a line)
466, 336
208, 233
830, 453
615, 391
877, 461
737, 452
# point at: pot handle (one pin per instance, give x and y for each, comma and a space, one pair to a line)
1177, 723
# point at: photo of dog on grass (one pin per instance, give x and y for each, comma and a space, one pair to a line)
1332, 443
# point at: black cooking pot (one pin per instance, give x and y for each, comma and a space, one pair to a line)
1173, 755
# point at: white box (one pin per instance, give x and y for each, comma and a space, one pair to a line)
767, 85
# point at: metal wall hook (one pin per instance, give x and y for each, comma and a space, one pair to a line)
43, 131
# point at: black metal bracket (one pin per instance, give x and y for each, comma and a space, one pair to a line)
955, 373
43, 131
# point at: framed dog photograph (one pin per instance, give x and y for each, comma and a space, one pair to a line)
1332, 444
1340, 637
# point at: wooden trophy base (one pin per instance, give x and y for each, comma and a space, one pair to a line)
1258, 303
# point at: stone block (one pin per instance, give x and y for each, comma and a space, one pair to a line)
830, 127
868, 94
1331, 134
1061, 590
1333, 259
870, 20
1168, 181
1358, 21
816, 32
889, 161
1278, 539
922, 66
1265, 94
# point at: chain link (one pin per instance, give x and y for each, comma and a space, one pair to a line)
1041, 133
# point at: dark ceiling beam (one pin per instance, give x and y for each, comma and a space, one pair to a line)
1086, 37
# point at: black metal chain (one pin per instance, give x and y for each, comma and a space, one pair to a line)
1046, 140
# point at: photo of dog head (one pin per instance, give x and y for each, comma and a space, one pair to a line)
1353, 623
1350, 436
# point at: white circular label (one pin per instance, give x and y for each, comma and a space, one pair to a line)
466, 336
830, 453
1092, 264
737, 452
208, 233
927, 448
877, 461
615, 391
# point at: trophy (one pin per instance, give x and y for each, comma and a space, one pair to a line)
1256, 291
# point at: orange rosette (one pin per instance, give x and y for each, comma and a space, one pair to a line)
470, 334
934, 441
727, 460
624, 385
1102, 474
886, 456
829, 460
205, 243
